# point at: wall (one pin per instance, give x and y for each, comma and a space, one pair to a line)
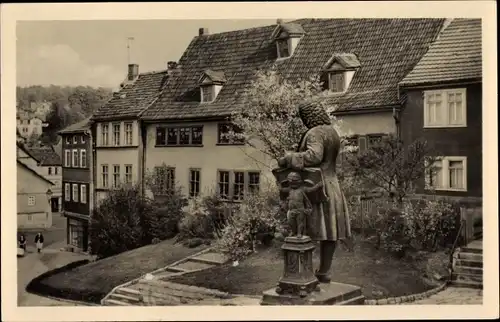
135, 132
28, 184
370, 123
464, 141
208, 158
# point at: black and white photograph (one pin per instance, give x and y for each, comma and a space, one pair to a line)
276, 160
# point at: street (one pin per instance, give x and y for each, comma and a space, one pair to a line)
52, 235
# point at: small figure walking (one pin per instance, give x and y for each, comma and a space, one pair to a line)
39, 242
22, 242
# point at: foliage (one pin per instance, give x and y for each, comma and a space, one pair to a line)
269, 121
412, 225
203, 217
257, 219
167, 214
120, 223
391, 167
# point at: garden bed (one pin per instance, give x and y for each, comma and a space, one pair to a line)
90, 282
379, 274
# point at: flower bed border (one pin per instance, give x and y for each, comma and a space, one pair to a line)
407, 298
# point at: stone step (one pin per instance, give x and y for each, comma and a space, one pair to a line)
468, 270
125, 298
111, 302
191, 265
127, 291
467, 277
471, 250
175, 269
360, 300
187, 288
210, 258
168, 292
463, 262
470, 256
154, 298
468, 284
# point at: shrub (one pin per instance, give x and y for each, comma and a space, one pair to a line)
257, 219
204, 218
167, 214
120, 223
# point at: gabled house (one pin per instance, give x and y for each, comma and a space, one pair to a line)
443, 94
49, 166
361, 62
116, 129
78, 187
29, 123
33, 198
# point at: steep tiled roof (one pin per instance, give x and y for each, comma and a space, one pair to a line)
133, 98
45, 155
34, 172
386, 49
215, 76
455, 55
23, 147
77, 127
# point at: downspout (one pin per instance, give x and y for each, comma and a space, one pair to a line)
88, 133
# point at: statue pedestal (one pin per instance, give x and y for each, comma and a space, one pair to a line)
299, 286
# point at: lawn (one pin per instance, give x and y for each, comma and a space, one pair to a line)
92, 281
379, 274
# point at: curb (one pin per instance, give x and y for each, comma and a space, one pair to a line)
78, 303
407, 298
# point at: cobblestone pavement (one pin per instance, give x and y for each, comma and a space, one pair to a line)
453, 296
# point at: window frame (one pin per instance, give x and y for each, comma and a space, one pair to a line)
75, 139
194, 183
445, 174
67, 161
162, 134
82, 139
231, 183
49, 171
68, 139
83, 158
83, 196
31, 201
104, 175
116, 183
117, 139
167, 183
105, 134
211, 88
128, 175
77, 155
219, 134
445, 113
331, 76
74, 196
125, 125
67, 191
278, 52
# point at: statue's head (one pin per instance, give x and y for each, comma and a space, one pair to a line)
294, 179
312, 114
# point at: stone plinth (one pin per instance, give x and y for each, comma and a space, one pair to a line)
328, 294
298, 276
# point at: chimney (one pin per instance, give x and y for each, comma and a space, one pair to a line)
203, 31
133, 71
279, 21
172, 65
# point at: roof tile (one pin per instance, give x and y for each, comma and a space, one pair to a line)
455, 55
387, 49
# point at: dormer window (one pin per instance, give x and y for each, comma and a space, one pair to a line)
211, 83
339, 71
286, 36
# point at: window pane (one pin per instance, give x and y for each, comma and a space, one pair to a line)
197, 135
184, 135
254, 182
282, 48
224, 184
456, 174
239, 185
172, 136
160, 136
207, 92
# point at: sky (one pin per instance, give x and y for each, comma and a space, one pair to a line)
94, 52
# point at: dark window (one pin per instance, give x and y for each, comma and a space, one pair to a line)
194, 182
160, 136
190, 135
282, 46
50, 170
173, 135
184, 135
224, 129
374, 139
197, 135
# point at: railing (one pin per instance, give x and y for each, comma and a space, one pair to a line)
454, 246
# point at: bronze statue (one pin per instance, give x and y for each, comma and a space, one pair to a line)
297, 202
319, 148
